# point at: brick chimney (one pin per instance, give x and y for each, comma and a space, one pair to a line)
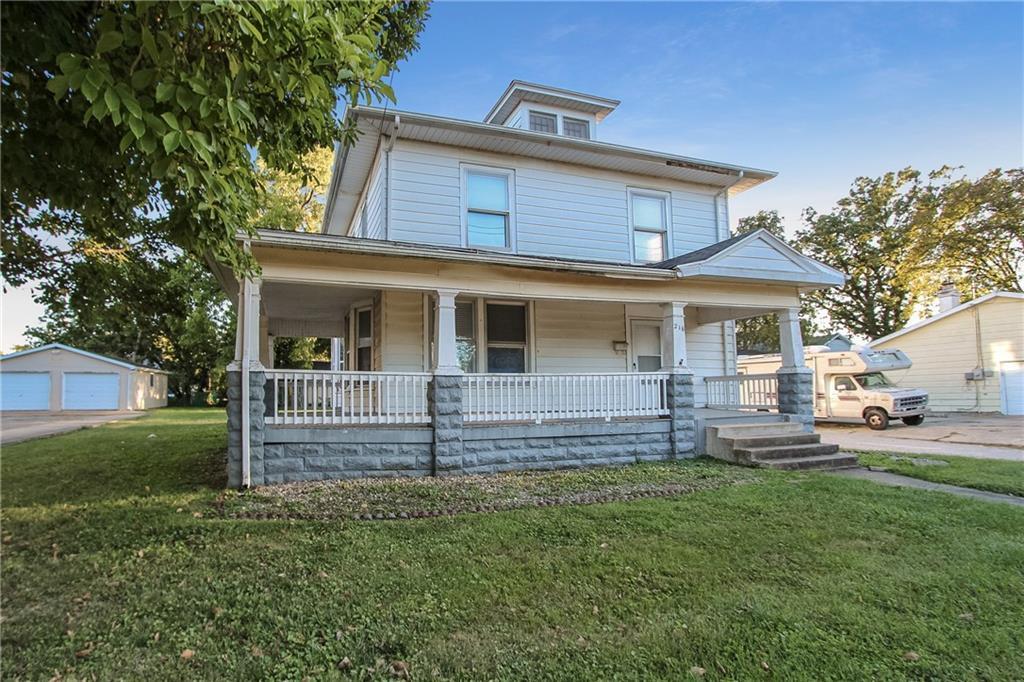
949, 297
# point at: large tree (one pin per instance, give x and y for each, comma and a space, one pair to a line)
127, 121
970, 232
867, 236
761, 334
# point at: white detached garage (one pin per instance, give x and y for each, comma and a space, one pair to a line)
59, 378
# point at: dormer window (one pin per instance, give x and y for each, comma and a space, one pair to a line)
543, 123
574, 127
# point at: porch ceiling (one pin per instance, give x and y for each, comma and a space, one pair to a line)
314, 305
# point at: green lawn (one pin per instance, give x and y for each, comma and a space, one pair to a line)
117, 558
995, 475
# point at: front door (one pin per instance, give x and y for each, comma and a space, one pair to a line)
645, 346
845, 397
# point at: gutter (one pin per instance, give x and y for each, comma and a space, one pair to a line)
376, 247
725, 191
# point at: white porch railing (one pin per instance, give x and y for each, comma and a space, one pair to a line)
743, 392
539, 397
319, 397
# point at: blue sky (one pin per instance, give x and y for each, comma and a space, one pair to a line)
820, 93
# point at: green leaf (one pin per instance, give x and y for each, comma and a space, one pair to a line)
112, 100
137, 125
183, 97
171, 141
249, 29
58, 85
142, 78
171, 120
149, 45
69, 63
148, 143
164, 91
111, 40
131, 105
160, 167
126, 141
90, 89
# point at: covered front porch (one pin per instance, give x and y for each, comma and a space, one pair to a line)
445, 367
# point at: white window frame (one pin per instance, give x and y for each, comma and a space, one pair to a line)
356, 345
583, 121
540, 112
666, 202
510, 184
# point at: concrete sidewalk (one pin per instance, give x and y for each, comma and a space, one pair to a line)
986, 436
898, 481
18, 428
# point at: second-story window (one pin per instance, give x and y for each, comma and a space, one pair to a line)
649, 214
488, 212
575, 127
543, 123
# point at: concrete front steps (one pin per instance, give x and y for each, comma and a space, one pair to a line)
780, 445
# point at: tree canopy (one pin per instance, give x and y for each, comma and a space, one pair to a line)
127, 122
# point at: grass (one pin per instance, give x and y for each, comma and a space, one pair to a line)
114, 566
994, 475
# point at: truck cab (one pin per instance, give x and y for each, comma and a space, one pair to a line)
851, 386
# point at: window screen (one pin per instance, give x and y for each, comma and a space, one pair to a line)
574, 127
506, 338
543, 123
649, 227
488, 209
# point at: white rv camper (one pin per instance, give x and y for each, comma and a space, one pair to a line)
849, 386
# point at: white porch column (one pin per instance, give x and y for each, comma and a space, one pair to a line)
673, 337
790, 339
270, 352
335, 354
444, 334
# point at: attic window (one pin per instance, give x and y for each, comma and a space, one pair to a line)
574, 127
543, 123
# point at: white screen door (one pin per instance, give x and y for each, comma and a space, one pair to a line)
645, 346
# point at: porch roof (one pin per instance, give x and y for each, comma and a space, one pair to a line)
754, 257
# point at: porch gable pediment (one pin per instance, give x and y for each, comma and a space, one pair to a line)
757, 256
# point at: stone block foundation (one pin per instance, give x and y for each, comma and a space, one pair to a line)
448, 446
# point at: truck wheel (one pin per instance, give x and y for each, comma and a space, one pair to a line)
876, 419
913, 421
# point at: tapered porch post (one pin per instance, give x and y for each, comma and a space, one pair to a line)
796, 391
445, 391
680, 383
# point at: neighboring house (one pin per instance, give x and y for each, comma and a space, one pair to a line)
59, 378
834, 342
969, 357
512, 293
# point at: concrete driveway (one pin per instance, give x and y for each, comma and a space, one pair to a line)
15, 428
988, 436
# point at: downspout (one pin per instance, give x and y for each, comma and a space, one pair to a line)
246, 426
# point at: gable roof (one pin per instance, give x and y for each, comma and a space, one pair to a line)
95, 356
376, 126
952, 311
757, 256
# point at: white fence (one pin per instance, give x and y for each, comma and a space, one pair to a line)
743, 392
539, 397
319, 397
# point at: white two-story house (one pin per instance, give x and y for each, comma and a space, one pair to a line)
511, 293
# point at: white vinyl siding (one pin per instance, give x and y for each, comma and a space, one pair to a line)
758, 254
707, 353
376, 199
577, 336
943, 351
560, 210
402, 341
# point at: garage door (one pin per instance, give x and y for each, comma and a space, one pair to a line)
1011, 380
24, 391
90, 391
